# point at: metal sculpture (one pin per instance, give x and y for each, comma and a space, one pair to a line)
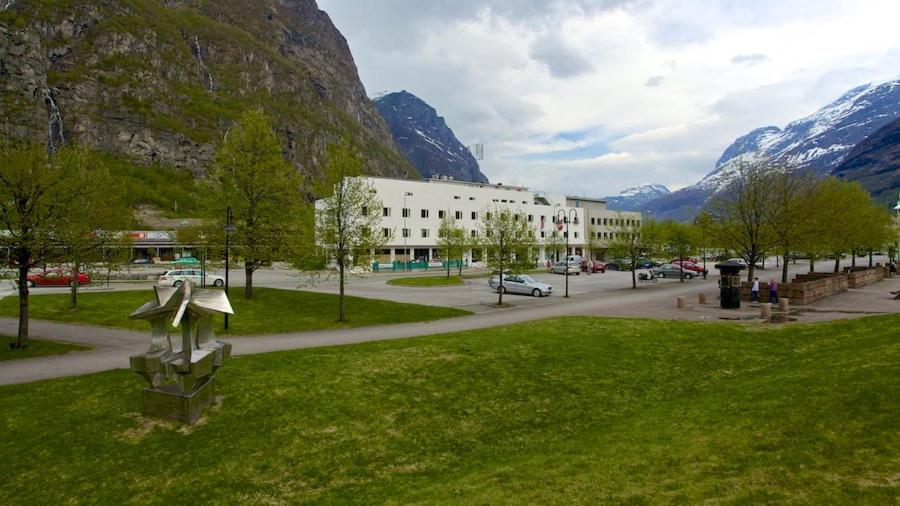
181, 377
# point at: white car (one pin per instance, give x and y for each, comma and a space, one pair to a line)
518, 283
561, 267
178, 276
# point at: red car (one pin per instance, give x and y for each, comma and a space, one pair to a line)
56, 277
597, 267
690, 266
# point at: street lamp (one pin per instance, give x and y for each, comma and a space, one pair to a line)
405, 231
563, 216
229, 228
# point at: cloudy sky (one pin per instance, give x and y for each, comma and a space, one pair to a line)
590, 97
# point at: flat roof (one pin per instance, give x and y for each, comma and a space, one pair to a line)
586, 199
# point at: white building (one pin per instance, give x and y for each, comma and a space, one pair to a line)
413, 209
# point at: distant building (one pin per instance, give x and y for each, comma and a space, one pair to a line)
412, 213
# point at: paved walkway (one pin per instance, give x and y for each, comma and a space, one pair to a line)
113, 346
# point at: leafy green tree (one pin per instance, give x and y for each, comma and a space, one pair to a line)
788, 212
634, 240
250, 175
40, 196
738, 213
97, 214
554, 243
679, 240
507, 240
349, 216
452, 241
840, 217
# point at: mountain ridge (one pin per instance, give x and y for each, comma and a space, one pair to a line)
634, 198
426, 139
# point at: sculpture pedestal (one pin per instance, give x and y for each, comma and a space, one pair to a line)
169, 403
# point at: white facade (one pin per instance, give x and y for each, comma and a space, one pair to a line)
413, 210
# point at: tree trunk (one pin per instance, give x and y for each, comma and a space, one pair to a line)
837, 262
500, 287
22, 337
812, 264
341, 293
448, 265
73, 285
680, 268
460, 263
633, 277
751, 271
870, 258
784, 269
853, 259
248, 286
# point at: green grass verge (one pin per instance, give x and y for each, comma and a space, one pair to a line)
270, 311
424, 281
36, 348
570, 410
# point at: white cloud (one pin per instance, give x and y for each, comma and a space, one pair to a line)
528, 77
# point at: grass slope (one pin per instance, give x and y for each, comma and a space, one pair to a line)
270, 311
427, 281
36, 348
574, 410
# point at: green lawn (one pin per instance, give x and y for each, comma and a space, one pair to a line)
36, 348
427, 281
571, 410
270, 311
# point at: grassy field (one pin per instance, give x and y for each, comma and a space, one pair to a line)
36, 348
571, 410
427, 281
270, 311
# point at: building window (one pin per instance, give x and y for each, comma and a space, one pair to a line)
406, 212
424, 233
405, 232
474, 215
424, 213
456, 197
458, 215
474, 233
496, 200
604, 222
605, 236
471, 198
441, 214
530, 218
565, 234
576, 235
543, 234
386, 232
365, 211
385, 211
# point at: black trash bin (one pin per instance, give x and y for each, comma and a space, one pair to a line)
730, 284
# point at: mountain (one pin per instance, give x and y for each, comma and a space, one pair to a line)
161, 81
819, 142
875, 163
426, 139
636, 197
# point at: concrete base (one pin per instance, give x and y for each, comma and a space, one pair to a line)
170, 403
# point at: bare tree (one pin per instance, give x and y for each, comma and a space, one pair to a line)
507, 240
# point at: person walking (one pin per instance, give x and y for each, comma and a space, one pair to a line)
773, 291
590, 267
754, 290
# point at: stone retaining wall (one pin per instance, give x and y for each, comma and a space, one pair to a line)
804, 289
861, 276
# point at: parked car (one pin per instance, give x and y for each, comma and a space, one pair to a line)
561, 267
618, 265
520, 283
141, 261
672, 271
595, 266
56, 277
691, 266
178, 276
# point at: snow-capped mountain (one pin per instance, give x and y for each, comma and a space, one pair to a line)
634, 198
819, 142
425, 138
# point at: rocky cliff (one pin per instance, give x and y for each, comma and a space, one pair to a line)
425, 138
161, 81
875, 163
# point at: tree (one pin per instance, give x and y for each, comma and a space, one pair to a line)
250, 175
840, 220
633, 241
349, 216
507, 240
36, 198
679, 240
789, 211
204, 239
97, 213
554, 242
451, 241
739, 211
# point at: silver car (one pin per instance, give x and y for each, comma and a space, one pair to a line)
519, 283
178, 276
560, 268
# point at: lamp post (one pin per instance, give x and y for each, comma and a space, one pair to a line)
229, 228
405, 231
563, 216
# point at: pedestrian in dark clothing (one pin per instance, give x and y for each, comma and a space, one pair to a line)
773, 291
